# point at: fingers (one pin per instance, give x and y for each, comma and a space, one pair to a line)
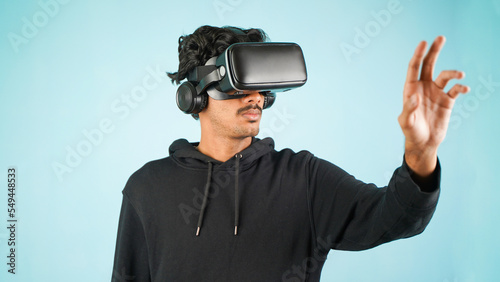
445, 76
431, 57
457, 89
416, 60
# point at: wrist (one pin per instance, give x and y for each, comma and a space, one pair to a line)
422, 160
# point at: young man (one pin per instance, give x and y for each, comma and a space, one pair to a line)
231, 208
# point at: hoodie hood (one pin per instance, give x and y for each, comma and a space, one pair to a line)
186, 155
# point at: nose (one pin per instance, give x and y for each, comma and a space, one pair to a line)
253, 98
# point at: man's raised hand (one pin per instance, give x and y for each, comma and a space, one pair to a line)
426, 107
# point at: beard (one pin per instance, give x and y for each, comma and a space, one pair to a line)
235, 126
248, 131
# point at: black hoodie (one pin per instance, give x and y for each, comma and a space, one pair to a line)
290, 209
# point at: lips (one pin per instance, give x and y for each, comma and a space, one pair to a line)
252, 114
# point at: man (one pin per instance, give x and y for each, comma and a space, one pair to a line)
231, 208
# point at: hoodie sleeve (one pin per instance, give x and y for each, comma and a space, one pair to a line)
131, 257
348, 214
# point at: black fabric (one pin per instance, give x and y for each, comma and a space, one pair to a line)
293, 208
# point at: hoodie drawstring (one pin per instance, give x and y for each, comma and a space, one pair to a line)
236, 194
205, 198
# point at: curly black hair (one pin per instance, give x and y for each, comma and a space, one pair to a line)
207, 42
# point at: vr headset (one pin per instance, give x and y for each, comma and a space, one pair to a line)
266, 67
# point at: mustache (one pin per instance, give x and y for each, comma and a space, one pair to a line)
249, 107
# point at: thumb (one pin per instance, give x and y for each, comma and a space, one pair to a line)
410, 105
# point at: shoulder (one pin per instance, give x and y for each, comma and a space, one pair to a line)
291, 158
289, 153
315, 166
148, 176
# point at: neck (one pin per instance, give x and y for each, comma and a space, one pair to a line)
222, 149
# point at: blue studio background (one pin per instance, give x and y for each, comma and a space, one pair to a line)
85, 103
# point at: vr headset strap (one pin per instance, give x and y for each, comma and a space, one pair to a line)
218, 95
200, 72
208, 80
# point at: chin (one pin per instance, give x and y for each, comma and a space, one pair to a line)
252, 132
